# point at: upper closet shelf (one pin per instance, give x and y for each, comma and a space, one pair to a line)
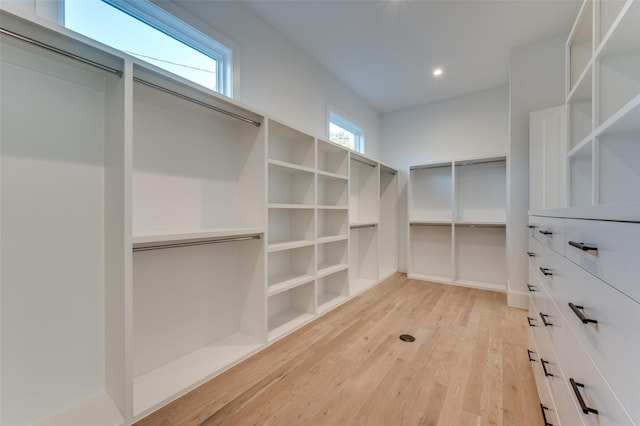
626, 119
624, 33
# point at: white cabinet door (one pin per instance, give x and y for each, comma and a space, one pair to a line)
547, 164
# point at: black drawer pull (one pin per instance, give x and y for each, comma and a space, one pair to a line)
545, 271
544, 416
529, 352
532, 226
529, 319
531, 254
582, 247
531, 288
577, 309
547, 233
544, 320
575, 385
544, 368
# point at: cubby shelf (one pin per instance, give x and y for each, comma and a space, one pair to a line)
456, 209
604, 122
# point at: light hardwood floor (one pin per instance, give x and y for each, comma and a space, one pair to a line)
468, 366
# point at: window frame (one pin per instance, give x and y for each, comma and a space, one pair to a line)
163, 21
347, 124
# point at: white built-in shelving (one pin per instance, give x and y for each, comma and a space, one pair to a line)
457, 222
604, 104
176, 232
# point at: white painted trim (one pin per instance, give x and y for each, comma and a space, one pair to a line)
516, 299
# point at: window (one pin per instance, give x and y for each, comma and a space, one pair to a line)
345, 133
146, 31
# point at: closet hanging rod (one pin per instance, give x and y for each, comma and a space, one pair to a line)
427, 166
196, 243
61, 52
471, 163
197, 102
372, 225
362, 162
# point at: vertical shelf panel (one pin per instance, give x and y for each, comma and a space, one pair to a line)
193, 169
430, 248
363, 258
57, 240
580, 44
481, 191
196, 310
481, 257
431, 192
388, 228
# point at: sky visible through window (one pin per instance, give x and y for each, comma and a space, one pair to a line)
105, 23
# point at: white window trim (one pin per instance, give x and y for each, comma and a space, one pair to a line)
167, 23
336, 116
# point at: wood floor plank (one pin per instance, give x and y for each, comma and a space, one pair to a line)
467, 366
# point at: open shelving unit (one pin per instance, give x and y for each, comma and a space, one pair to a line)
63, 233
176, 231
604, 133
457, 222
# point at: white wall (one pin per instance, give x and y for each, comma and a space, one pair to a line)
468, 126
276, 77
536, 82
272, 74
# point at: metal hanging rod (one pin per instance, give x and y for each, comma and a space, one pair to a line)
195, 101
372, 225
362, 162
471, 163
388, 170
196, 243
430, 224
61, 52
427, 166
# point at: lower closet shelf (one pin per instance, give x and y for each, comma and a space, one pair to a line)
99, 411
186, 372
283, 322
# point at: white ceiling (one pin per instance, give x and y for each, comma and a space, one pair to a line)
385, 50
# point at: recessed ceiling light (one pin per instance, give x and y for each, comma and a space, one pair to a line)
437, 72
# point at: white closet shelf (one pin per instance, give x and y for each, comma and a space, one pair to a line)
99, 411
323, 174
624, 33
583, 149
290, 167
481, 223
626, 119
432, 278
483, 285
290, 206
287, 245
332, 238
427, 222
326, 207
284, 322
154, 387
282, 282
327, 301
582, 90
327, 268
358, 285
180, 237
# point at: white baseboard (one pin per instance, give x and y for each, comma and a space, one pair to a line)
516, 299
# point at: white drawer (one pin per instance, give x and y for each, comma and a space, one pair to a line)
616, 259
575, 364
548, 268
613, 343
547, 404
549, 231
549, 372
